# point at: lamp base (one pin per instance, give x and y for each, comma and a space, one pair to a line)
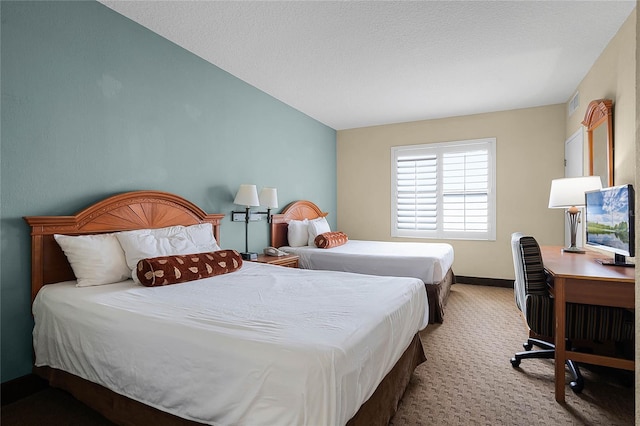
249, 256
573, 250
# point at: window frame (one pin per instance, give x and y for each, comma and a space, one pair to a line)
439, 149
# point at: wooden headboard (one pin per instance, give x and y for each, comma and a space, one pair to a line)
297, 210
123, 212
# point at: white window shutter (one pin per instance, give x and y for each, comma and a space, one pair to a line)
444, 190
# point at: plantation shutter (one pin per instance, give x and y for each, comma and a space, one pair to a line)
444, 190
417, 193
465, 188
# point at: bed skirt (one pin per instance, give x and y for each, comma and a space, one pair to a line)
437, 295
377, 410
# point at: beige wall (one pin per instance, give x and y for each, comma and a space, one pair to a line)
613, 76
529, 150
530, 153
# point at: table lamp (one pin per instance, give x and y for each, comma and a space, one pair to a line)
268, 198
568, 193
247, 196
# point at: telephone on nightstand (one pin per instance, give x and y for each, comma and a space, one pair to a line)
272, 251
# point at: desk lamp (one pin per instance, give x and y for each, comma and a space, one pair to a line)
247, 196
568, 193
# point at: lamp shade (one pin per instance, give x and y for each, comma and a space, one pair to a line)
269, 198
569, 192
247, 196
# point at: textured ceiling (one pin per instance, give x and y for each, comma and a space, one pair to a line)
352, 64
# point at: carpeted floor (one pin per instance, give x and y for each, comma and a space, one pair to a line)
466, 380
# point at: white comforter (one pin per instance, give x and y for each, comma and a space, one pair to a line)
429, 262
264, 345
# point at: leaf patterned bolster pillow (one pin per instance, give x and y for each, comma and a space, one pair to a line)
180, 268
331, 239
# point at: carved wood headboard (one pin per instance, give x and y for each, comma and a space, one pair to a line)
123, 212
297, 210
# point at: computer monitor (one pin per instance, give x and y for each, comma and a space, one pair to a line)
610, 218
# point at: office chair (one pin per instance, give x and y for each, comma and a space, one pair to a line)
584, 322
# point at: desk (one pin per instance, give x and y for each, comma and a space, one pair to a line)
579, 278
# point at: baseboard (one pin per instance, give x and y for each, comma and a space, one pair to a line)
493, 282
21, 387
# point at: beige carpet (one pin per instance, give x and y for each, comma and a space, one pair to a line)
468, 379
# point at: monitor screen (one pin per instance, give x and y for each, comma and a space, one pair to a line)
609, 215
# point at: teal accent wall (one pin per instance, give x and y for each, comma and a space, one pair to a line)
94, 104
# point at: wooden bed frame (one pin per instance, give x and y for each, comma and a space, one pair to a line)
128, 211
155, 209
437, 293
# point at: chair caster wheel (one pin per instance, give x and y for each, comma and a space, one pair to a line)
527, 346
577, 387
515, 362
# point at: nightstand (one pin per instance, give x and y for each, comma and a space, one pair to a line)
290, 260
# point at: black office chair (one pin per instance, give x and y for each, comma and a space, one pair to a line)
584, 322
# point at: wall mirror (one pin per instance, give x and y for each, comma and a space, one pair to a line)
599, 123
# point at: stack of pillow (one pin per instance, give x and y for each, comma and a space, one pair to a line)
151, 257
314, 233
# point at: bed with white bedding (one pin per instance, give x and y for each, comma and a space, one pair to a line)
430, 262
262, 344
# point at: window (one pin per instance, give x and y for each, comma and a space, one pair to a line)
444, 190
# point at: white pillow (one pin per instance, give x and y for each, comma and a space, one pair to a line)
316, 227
147, 243
95, 259
297, 233
202, 236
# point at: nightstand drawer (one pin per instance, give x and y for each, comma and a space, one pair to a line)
290, 260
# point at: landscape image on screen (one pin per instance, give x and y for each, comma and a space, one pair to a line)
607, 218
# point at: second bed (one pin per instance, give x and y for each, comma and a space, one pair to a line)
430, 262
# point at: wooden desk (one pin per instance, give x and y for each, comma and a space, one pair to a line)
579, 278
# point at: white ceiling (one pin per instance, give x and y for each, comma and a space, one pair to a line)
352, 64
